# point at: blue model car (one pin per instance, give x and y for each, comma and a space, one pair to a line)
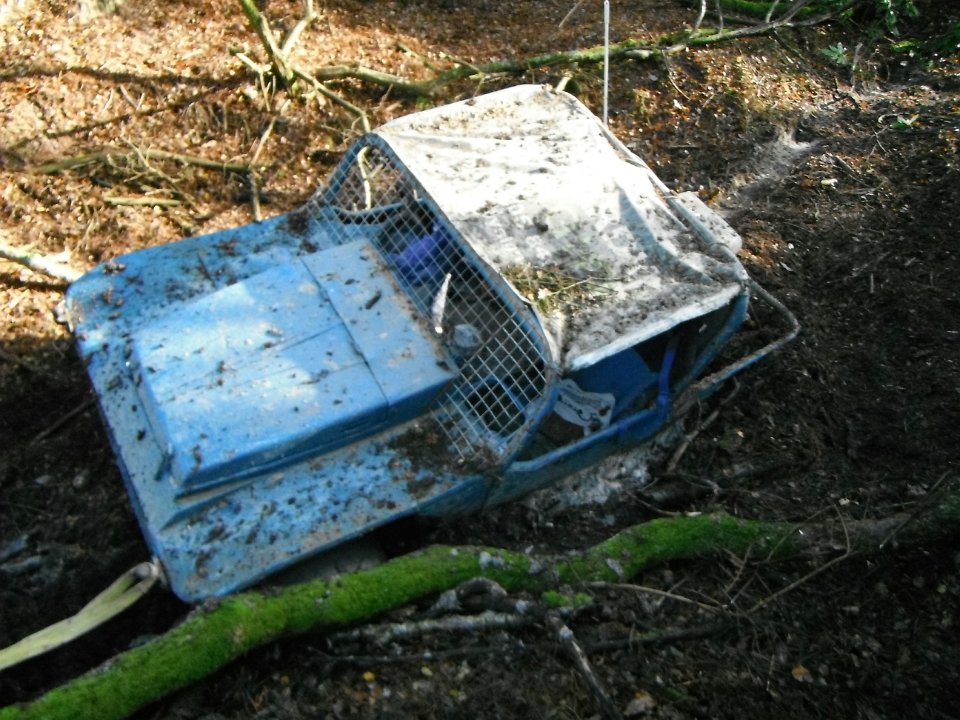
484, 297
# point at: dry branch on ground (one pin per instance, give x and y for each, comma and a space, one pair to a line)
55, 267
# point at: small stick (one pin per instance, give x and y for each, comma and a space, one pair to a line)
809, 576
78, 410
255, 198
569, 641
773, 6
9, 357
386, 634
253, 175
330, 95
110, 155
422, 58
703, 12
141, 201
38, 263
569, 14
692, 435
660, 593
257, 68
302, 24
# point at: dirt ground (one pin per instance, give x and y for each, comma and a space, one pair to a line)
843, 179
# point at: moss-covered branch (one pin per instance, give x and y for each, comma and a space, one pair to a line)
629, 49
214, 636
418, 88
810, 10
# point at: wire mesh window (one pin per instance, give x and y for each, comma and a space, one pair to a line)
502, 380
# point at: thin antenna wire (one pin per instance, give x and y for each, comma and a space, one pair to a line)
606, 58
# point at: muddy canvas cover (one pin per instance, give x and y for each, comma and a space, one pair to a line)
578, 225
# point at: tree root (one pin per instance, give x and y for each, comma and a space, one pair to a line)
219, 633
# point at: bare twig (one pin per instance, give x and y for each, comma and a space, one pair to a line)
51, 266
254, 176
786, 20
773, 6
141, 201
659, 593
791, 12
11, 358
740, 563
258, 68
330, 95
63, 420
569, 642
375, 77
110, 156
570, 14
144, 161
915, 514
692, 435
386, 634
809, 576
309, 15
276, 55
700, 16
632, 640
682, 488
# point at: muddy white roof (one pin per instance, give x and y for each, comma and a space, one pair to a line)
575, 222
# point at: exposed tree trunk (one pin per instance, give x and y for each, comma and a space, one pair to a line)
214, 636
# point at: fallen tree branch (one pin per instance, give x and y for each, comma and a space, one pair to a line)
803, 8
627, 49
385, 634
600, 695
632, 641
218, 634
375, 77
141, 201
630, 49
277, 54
11, 358
309, 15
114, 156
64, 419
51, 266
323, 90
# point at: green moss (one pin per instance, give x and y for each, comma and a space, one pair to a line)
574, 601
208, 640
627, 553
211, 638
758, 8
